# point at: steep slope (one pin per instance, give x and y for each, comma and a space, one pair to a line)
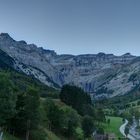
31, 56
8, 63
21, 76
103, 75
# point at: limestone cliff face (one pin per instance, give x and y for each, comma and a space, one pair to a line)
101, 74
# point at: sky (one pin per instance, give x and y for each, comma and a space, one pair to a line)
74, 26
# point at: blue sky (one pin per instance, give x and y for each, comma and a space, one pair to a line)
74, 26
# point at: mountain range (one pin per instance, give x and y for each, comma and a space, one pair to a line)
102, 75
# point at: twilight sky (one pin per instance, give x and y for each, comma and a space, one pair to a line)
74, 26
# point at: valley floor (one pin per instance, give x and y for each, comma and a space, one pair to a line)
113, 127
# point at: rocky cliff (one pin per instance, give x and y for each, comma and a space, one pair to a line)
99, 74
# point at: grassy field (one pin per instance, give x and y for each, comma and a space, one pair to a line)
113, 127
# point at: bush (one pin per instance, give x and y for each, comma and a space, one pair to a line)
138, 103
100, 130
127, 105
88, 126
70, 121
133, 104
79, 134
38, 135
126, 131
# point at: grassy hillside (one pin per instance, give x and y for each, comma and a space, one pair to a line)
22, 82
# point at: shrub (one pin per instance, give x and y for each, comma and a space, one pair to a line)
100, 130
38, 135
138, 103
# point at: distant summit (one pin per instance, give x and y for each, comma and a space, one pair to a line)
6, 36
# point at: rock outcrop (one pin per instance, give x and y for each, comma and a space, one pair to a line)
103, 75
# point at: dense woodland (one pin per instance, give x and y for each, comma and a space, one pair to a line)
28, 109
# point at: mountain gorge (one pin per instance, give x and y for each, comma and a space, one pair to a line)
101, 75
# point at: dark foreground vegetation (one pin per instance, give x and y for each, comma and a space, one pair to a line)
32, 111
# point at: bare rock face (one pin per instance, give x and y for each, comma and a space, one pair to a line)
99, 74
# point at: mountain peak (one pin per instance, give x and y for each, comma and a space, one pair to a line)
127, 54
22, 42
6, 36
